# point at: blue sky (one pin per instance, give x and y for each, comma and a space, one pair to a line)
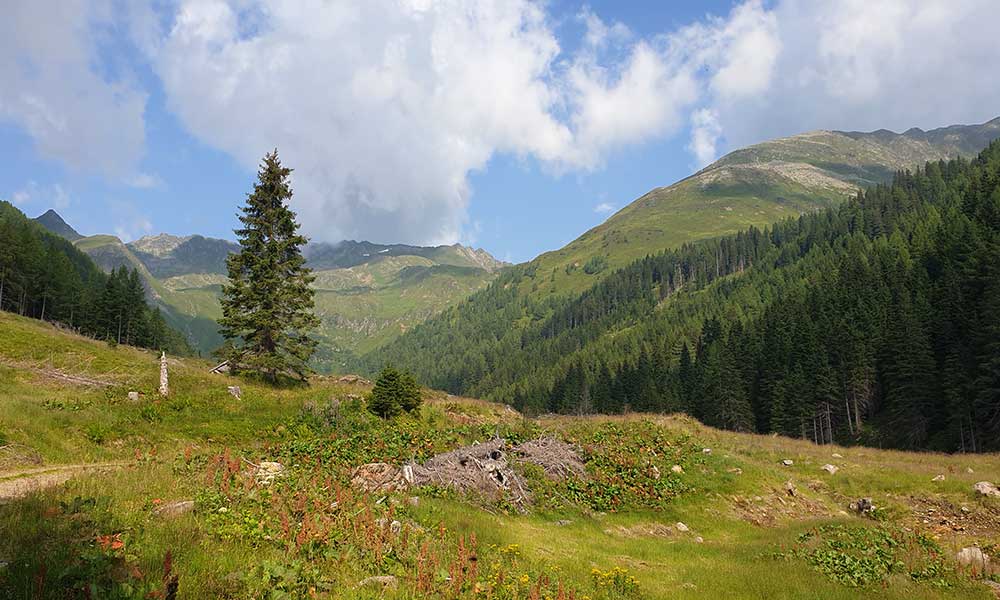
511, 125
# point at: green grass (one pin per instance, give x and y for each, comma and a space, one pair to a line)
311, 535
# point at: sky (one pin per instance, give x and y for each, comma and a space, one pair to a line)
511, 125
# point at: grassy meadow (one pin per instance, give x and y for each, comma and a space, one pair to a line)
657, 516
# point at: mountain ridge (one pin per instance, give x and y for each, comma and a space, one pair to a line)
366, 293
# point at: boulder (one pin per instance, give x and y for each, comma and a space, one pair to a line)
831, 469
175, 509
787, 462
835, 455
681, 527
973, 558
677, 469
790, 488
938, 478
133, 396
706, 450
986, 488
267, 471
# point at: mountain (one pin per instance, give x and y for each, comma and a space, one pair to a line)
622, 337
757, 185
366, 294
54, 223
45, 276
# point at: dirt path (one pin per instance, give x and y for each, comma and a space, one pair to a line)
20, 483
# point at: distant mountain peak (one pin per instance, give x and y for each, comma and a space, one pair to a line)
160, 244
51, 220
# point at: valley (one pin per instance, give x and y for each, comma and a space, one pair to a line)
367, 294
665, 507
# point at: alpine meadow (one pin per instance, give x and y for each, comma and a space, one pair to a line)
541, 301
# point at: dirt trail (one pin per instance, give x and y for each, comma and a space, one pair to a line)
20, 483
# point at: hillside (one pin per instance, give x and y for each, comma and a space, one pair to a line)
101, 496
367, 294
45, 276
881, 308
753, 186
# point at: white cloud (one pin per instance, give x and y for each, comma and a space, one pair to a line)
49, 195
384, 108
49, 85
604, 208
852, 64
144, 181
705, 132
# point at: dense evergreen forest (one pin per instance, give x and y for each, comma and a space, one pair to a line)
875, 322
44, 276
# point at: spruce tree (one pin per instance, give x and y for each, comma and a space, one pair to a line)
267, 303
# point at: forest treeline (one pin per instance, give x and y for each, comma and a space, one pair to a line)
875, 322
44, 276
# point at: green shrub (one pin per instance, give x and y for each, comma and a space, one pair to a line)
394, 392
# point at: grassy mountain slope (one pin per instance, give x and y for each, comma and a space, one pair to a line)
367, 294
732, 523
757, 185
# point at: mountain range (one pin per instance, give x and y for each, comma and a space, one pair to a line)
370, 294
489, 344
366, 293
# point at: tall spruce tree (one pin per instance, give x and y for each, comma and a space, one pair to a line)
267, 304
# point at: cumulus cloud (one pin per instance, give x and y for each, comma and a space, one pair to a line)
604, 208
852, 64
50, 86
384, 108
705, 132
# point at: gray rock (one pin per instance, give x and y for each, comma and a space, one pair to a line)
938, 478
790, 488
268, 471
681, 527
788, 462
831, 469
706, 450
987, 489
677, 469
862, 505
235, 391
973, 558
175, 509
835, 455
133, 396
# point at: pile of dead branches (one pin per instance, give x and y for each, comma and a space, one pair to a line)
481, 469
558, 459
484, 469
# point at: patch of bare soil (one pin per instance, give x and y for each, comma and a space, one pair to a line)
18, 484
775, 505
18, 455
55, 374
941, 517
641, 530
